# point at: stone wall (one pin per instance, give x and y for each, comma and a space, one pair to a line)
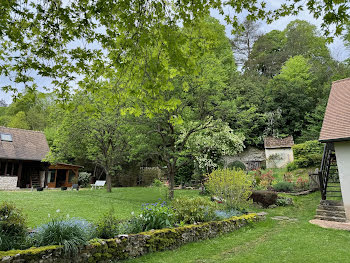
8, 183
278, 157
131, 246
248, 156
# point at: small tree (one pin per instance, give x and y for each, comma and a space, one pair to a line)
232, 185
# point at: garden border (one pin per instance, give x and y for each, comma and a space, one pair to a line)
133, 245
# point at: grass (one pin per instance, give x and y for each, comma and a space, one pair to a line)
268, 241
86, 204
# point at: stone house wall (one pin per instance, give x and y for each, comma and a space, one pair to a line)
8, 182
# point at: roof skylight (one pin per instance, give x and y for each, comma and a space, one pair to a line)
6, 137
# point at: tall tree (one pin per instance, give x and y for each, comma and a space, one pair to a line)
243, 40
293, 93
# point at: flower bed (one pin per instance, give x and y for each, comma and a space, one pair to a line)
133, 245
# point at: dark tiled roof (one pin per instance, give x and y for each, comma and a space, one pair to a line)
25, 145
336, 122
272, 142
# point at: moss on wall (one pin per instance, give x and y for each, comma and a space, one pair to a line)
129, 246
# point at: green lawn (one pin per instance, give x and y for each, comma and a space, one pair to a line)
86, 204
268, 241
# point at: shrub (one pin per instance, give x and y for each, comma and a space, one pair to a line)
237, 165
13, 227
231, 185
157, 183
302, 184
191, 210
157, 216
284, 201
84, 179
224, 214
133, 226
265, 198
291, 166
257, 176
107, 226
284, 187
71, 234
308, 154
266, 179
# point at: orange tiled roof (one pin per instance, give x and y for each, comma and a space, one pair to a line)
336, 122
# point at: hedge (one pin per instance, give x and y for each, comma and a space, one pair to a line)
308, 154
130, 246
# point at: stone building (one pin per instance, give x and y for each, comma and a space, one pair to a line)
252, 157
278, 151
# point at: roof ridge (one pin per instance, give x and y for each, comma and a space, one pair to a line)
340, 80
21, 129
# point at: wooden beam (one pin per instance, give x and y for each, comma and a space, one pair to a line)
6, 167
55, 177
19, 173
13, 167
46, 175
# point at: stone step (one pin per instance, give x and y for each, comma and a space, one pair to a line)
320, 212
330, 208
331, 202
331, 218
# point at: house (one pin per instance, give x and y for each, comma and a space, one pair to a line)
251, 157
335, 133
22, 164
278, 151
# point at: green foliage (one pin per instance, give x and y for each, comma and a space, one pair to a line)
283, 187
13, 227
191, 210
231, 185
108, 225
184, 171
308, 154
284, 201
84, 179
157, 215
236, 164
157, 183
291, 166
70, 233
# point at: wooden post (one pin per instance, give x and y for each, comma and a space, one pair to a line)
13, 167
67, 177
6, 167
55, 177
46, 176
19, 173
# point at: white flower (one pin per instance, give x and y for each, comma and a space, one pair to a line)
67, 216
48, 215
57, 211
132, 213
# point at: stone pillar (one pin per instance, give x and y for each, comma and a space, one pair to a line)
342, 152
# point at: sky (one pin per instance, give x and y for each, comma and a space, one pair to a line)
337, 48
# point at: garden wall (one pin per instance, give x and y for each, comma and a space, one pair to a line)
130, 246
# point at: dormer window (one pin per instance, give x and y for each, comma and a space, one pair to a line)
6, 137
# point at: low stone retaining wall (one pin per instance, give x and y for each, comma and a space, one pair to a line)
130, 246
8, 183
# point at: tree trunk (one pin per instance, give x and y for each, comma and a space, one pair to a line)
109, 182
171, 170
